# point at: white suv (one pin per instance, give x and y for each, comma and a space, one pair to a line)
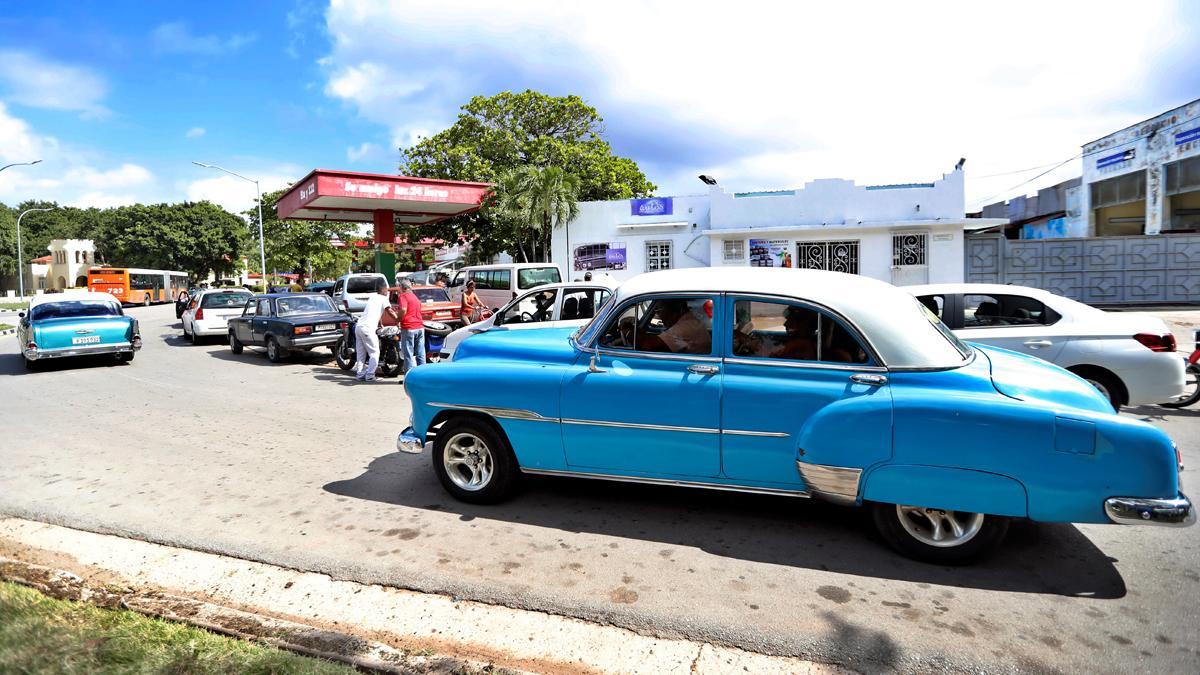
1130, 358
351, 291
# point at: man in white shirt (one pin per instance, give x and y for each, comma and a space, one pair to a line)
366, 342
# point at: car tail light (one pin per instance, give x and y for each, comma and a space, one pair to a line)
1178, 458
302, 330
1157, 343
343, 325
200, 314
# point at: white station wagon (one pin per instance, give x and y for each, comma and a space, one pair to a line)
1131, 359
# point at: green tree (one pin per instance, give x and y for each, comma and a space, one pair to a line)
538, 201
194, 237
294, 245
495, 135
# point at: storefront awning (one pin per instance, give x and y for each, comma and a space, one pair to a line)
355, 197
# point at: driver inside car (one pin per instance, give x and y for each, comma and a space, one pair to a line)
683, 331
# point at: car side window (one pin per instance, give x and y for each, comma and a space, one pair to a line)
674, 325
501, 279
250, 308
783, 330
264, 307
533, 308
1000, 310
935, 304
581, 303
337, 288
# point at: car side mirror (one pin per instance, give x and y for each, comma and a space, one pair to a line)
21, 315
594, 361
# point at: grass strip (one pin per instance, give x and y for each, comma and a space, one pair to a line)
43, 635
5, 326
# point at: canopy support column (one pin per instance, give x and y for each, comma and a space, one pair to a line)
385, 246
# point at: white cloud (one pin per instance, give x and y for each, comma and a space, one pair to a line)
176, 38
776, 94
363, 151
237, 195
66, 175
41, 83
195, 132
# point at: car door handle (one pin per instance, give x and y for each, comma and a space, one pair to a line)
701, 369
1038, 344
869, 378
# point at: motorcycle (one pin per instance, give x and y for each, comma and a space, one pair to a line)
1191, 379
390, 360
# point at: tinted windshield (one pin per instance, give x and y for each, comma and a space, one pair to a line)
303, 304
536, 276
224, 300
74, 308
361, 284
432, 294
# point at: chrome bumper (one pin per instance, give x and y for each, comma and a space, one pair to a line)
409, 442
1177, 512
837, 484
83, 350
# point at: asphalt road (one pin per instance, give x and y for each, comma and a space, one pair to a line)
293, 464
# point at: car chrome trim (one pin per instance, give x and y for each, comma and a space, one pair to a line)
668, 481
763, 434
816, 365
632, 425
82, 350
501, 413
660, 356
837, 484
1177, 512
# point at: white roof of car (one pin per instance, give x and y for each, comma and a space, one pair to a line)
504, 266
895, 324
71, 296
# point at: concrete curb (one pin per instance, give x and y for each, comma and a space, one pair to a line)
342, 620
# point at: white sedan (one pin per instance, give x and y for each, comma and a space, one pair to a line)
550, 305
208, 311
1131, 359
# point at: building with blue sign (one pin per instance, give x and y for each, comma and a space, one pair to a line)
906, 234
1145, 178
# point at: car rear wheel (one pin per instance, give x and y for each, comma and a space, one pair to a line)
343, 353
275, 353
1106, 383
235, 345
938, 536
473, 462
124, 357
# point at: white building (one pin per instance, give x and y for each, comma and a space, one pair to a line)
1145, 179
70, 260
904, 234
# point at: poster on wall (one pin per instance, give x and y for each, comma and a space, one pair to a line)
595, 257
770, 253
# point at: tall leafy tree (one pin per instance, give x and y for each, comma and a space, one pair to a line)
495, 135
295, 245
538, 200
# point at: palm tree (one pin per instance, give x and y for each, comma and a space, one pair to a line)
539, 200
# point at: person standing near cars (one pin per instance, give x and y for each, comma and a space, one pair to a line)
366, 342
412, 328
472, 306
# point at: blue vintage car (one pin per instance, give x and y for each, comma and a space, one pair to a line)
799, 383
81, 323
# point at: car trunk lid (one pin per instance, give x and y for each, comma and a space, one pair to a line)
68, 332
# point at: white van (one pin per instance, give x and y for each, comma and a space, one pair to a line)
351, 291
498, 285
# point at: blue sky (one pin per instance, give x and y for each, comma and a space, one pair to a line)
119, 97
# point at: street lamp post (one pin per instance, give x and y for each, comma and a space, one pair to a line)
262, 247
20, 164
20, 255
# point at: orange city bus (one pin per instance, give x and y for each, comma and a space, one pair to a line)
137, 286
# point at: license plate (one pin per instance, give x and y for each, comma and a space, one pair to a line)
326, 326
91, 339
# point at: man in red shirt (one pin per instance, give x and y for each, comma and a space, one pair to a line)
412, 327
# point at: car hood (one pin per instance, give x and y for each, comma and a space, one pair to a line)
1033, 380
545, 345
55, 333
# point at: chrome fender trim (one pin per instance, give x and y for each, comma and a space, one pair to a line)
669, 481
837, 484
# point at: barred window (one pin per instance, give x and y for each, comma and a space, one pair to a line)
735, 251
834, 256
908, 248
658, 255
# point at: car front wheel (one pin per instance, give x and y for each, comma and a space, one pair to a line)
473, 462
938, 536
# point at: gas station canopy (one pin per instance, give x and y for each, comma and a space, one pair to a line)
382, 200
356, 197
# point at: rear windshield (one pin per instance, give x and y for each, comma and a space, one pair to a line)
224, 300
432, 294
536, 276
361, 284
303, 304
74, 308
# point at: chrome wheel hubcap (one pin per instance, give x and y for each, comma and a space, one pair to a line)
939, 527
468, 461
271, 349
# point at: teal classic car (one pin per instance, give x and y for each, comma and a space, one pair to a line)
81, 323
797, 383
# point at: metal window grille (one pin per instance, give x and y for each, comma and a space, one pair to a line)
834, 256
658, 255
735, 250
908, 248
